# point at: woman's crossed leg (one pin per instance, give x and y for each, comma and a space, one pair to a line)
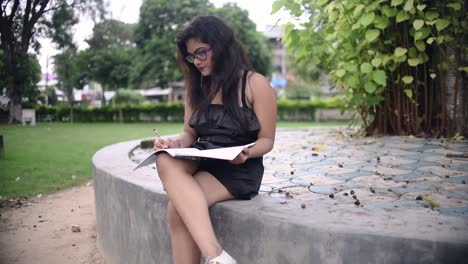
190, 197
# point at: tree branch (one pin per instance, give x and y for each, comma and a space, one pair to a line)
3, 8
13, 11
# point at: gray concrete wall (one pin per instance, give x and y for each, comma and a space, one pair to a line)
132, 228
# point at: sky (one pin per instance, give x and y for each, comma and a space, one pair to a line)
128, 12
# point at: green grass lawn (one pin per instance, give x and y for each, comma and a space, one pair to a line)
52, 156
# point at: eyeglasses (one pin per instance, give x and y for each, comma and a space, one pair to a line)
200, 55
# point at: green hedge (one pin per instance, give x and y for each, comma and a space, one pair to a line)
124, 113
289, 110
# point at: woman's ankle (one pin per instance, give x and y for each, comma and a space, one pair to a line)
213, 252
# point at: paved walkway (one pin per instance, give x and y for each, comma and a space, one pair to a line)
332, 167
390, 173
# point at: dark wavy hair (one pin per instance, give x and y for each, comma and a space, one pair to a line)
229, 59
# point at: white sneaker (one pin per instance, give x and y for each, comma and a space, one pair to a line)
224, 258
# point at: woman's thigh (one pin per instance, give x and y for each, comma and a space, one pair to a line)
165, 164
213, 190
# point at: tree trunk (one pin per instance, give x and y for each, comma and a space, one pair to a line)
15, 115
103, 101
454, 94
72, 117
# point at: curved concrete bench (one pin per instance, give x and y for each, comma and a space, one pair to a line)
132, 228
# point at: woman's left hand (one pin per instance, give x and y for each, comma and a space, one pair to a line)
242, 157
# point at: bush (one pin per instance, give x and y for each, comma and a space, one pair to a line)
289, 110
126, 96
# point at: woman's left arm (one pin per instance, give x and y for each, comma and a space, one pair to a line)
264, 104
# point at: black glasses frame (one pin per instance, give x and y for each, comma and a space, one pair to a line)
200, 55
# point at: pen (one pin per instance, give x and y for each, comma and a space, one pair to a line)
158, 136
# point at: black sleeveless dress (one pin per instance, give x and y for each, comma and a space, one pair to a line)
216, 128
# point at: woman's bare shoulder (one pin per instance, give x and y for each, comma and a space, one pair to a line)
256, 78
259, 84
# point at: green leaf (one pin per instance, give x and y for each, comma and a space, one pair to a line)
388, 11
400, 59
412, 52
358, 10
441, 24
370, 87
401, 16
414, 62
396, 2
400, 51
407, 79
372, 34
409, 5
409, 93
380, 77
367, 19
333, 16
340, 73
380, 22
422, 33
321, 2
423, 58
421, 7
277, 6
440, 39
351, 80
430, 40
350, 67
356, 25
386, 59
418, 23
294, 7
420, 45
366, 67
376, 62
392, 67
431, 15
457, 6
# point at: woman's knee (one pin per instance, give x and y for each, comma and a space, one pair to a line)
163, 162
173, 217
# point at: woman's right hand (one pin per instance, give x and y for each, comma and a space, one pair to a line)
165, 143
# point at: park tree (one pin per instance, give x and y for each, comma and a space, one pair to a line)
21, 22
110, 55
65, 67
110, 67
110, 32
402, 65
60, 31
155, 36
256, 44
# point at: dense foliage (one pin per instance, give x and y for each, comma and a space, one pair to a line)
401, 64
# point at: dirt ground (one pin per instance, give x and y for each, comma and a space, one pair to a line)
40, 231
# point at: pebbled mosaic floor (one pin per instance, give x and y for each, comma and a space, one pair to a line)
333, 167
330, 166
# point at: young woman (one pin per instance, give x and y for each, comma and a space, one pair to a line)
227, 104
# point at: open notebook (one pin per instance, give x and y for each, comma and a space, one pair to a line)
228, 153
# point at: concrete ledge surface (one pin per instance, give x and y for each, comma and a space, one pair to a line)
132, 227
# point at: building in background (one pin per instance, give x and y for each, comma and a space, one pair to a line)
278, 78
